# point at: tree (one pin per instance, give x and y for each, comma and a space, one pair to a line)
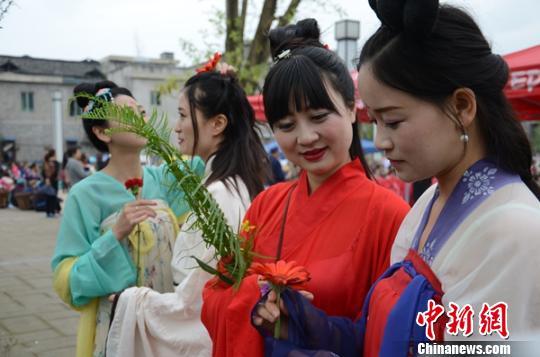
251, 58
252, 68
4, 7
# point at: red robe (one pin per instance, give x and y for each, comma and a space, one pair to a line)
342, 234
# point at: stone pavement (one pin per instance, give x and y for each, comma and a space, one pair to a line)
33, 320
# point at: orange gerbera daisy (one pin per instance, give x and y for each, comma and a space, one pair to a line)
282, 274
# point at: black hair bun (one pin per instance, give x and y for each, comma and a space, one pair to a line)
414, 17
304, 33
90, 89
308, 29
419, 16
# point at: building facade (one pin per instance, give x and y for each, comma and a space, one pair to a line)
26, 103
144, 76
27, 86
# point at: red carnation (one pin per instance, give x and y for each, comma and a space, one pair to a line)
133, 185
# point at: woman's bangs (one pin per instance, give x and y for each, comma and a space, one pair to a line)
301, 85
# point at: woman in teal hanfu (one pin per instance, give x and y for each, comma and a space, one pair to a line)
109, 239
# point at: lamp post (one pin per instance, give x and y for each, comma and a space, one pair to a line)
347, 33
58, 135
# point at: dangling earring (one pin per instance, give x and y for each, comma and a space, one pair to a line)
464, 138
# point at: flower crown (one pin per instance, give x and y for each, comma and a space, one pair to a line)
211, 64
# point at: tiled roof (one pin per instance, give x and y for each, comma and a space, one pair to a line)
40, 66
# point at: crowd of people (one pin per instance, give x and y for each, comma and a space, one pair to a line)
38, 185
431, 84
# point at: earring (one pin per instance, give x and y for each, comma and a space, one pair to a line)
464, 138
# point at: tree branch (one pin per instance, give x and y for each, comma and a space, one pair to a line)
260, 49
231, 15
288, 15
242, 25
4, 7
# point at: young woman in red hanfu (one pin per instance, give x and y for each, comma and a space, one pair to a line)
334, 219
465, 259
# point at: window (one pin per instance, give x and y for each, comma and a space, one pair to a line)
27, 101
74, 109
155, 98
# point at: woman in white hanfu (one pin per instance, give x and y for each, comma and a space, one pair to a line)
217, 124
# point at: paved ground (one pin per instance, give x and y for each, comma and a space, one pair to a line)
33, 320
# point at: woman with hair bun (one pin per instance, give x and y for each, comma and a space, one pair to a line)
469, 247
99, 250
217, 123
334, 219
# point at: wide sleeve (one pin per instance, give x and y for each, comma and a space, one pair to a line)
496, 259
102, 266
147, 323
168, 324
390, 211
226, 314
311, 332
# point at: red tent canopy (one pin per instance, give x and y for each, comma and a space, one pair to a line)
257, 103
523, 88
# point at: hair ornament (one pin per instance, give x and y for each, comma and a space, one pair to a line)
102, 94
211, 64
283, 55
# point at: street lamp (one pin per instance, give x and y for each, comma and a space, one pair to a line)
347, 33
58, 134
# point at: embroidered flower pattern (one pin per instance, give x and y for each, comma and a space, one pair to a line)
427, 252
478, 183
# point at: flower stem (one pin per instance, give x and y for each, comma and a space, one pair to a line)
277, 326
138, 283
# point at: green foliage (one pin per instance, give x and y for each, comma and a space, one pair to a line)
195, 53
209, 218
218, 22
535, 139
366, 131
173, 83
232, 28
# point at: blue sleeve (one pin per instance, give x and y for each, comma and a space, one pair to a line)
103, 265
175, 198
313, 333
